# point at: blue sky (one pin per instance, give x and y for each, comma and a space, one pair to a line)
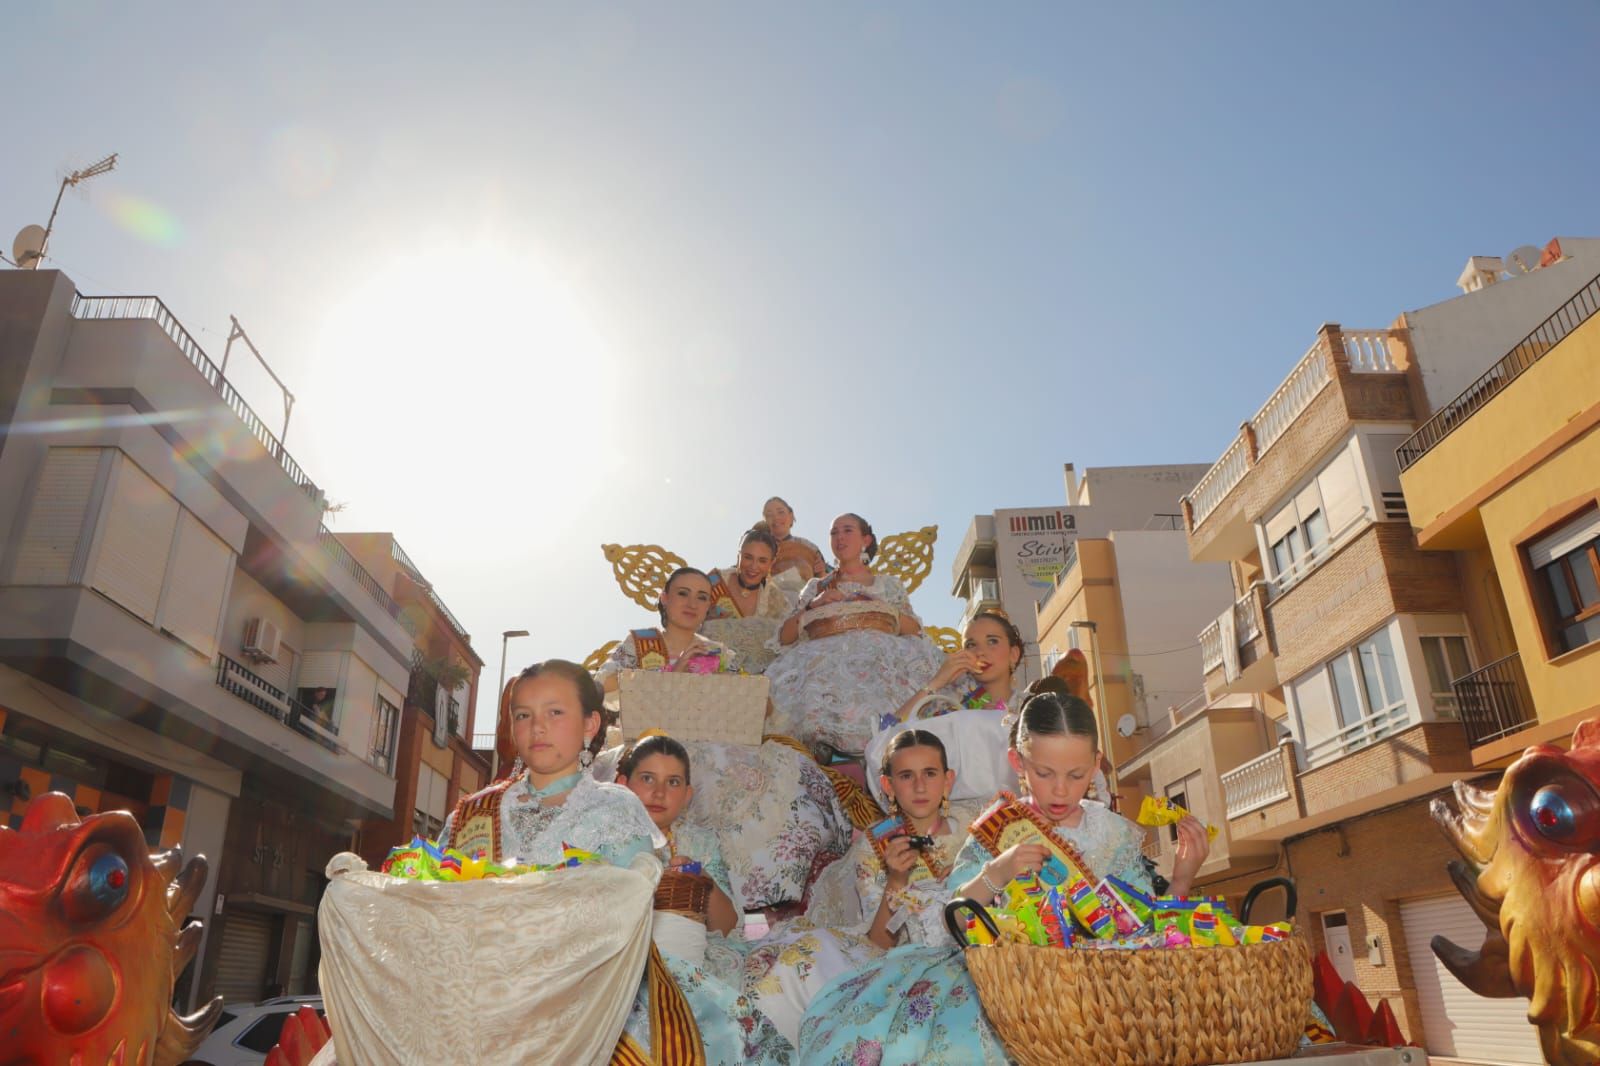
543, 277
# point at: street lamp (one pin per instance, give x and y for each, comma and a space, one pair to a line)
505, 638
1101, 710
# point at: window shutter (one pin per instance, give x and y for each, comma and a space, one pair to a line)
1280, 523
194, 594
55, 522
135, 541
1569, 538
1341, 492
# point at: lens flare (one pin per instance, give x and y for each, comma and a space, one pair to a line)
145, 220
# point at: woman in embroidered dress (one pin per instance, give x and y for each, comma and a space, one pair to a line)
885, 891
918, 1004
689, 935
968, 704
746, 607
854, 651
773, 809
553, 718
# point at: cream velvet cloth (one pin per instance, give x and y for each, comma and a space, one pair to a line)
541, 968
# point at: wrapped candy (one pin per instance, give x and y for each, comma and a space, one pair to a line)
1157, 810
1079, 896
1140, 903
1123, 917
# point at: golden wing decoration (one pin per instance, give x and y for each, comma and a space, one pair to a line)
642, 570
907, 556
944, 638
598, 657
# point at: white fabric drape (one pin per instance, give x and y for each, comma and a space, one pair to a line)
538, 968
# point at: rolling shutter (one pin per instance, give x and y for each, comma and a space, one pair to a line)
242, 960
193, 604
55, 522
1456, 1021
136, 540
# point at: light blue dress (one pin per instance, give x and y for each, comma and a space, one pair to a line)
917, 1004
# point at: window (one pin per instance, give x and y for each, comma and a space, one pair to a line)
426, 825
1304, 528
1567, 562
263, 1035
454, 715
1446, 659
388, 723
1050, 659
1368, 699
1178, 798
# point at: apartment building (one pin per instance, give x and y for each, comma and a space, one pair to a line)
1349, 638
434, 762
180, 635
1506, 477
1010, 558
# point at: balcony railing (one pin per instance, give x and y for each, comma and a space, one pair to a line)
268, 698
483, 742
1215, 484
1211, 646
1494, 701
399, 555
1352, 738
1255, 784
1293, 396
1246, 627
1568, 317
1367, 351
150, 308
1069, 560
347, 562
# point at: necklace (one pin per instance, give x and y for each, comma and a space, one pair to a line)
554, 788
748, 588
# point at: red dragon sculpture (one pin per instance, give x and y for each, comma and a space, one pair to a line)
1530, 867
90, 944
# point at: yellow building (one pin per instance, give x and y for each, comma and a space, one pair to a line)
1508, 476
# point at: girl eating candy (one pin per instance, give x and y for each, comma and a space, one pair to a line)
888, 889
918, 1004
694, 895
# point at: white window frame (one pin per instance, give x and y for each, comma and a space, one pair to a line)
1371, 724
1444, 702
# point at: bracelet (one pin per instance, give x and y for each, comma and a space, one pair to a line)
983, 875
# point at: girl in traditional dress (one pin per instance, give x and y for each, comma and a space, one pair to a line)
552, 717
854, 650
918, 1004
887, 890
772, 808
747, 608
794, 553
656, 769
969, 704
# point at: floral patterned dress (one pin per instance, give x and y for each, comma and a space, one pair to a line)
917, 1003
786, 969
747, 635
835, 689
774, 812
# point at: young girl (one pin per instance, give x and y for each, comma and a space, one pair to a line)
918, 1004
969, 704
772, 808
746, 607
656, 769
551, 716
887, 890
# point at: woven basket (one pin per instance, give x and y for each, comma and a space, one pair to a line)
1173, 1007
729, 708
685, 894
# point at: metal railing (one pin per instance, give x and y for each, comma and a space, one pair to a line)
1357, 735
1069, 560
1568, 317
244, 683
1368, 351
1494, 700
399, 555
1255, 784
150, 308
347, 562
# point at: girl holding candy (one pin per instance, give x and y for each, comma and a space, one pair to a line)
888, 889
917, 1004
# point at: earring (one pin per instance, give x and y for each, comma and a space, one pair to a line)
517, 767
944, 806
894, 807
585, 759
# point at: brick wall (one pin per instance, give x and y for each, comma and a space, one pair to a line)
1415, 753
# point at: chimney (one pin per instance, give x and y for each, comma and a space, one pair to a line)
1071, 477
1481, 271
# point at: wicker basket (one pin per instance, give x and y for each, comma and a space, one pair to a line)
1177, 1007
730, 708
685, 894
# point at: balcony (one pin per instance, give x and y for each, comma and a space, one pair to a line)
235, 678
985, 594
1251, 664
1494, 701
1366, 369
1256, 784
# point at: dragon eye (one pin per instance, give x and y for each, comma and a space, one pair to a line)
1552, 815
99, 884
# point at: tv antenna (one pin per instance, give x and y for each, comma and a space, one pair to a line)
32, 242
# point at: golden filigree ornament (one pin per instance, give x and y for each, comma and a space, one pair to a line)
598, 657
641, 570
907, 556
944, 638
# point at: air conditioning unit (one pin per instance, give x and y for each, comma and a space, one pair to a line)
261, 637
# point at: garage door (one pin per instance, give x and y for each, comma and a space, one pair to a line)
242, 960
1458, 1022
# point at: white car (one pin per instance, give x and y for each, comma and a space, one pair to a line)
247, 1031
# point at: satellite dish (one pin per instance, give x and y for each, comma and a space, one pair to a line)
29, 246
1127, 725
1524, 260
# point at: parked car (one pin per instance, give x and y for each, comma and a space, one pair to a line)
247, 1031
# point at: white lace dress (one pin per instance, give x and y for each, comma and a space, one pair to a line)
835, 689
606, 819
747, 635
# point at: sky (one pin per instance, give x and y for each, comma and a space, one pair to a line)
543, 277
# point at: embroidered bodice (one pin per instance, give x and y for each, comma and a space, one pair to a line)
603, 818
1108, 842
646, 649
